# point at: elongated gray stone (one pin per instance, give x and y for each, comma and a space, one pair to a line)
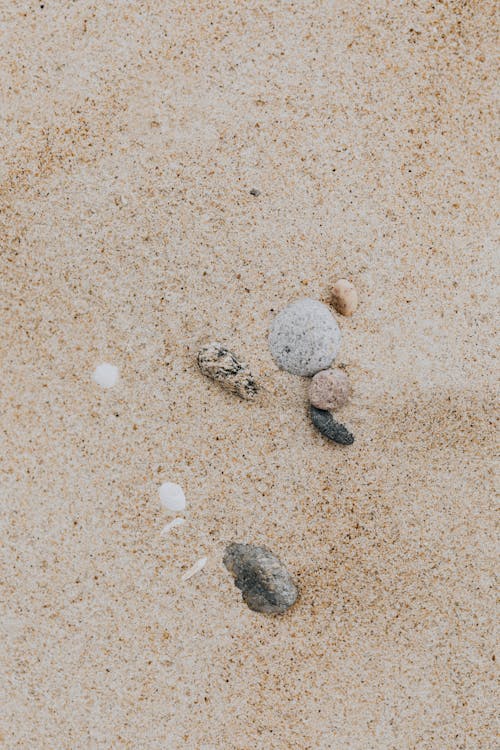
304, 338
330, 428
266, 585
217, 362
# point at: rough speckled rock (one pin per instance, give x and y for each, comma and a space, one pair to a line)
330, 428
304, 337
344, 297
217, 362
329, 390
265, 583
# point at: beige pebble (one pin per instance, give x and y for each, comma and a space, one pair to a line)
329, 390
344, 297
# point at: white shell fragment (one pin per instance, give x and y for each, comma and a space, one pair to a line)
172, 496
199, 565
168, 528
106, 375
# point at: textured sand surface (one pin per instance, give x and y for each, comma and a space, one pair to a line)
131, 134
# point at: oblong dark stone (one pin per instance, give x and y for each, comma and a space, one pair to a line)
330, 428
265, 583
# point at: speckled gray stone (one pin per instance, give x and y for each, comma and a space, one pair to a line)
265, 583
330, 428
304, 338
217, 362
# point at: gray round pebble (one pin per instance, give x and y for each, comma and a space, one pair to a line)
330, 428
266, 585
304, 338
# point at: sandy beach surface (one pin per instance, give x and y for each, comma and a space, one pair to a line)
131, 135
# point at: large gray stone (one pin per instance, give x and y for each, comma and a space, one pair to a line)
265, 583
304, 338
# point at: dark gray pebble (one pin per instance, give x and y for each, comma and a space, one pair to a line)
330, 428
218, 363
266, 584
255, 192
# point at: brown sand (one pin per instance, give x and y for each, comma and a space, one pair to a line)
131, 136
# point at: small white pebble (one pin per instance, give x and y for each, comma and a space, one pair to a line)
199, 565
172, 496
176, 522
106, 375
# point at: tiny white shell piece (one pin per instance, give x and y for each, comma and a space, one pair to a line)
106, 375
199, 565
176, 522
344, 297
172, 496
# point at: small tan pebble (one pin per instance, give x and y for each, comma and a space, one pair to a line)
330, 428
329, 390
344, 297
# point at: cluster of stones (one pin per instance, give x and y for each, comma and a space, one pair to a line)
304, 340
